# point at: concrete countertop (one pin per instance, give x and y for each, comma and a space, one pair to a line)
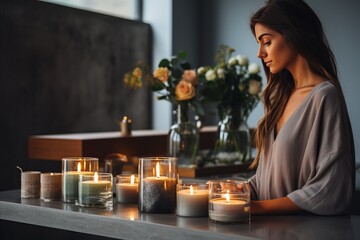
125, 222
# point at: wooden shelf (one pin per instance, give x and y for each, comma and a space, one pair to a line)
140, 143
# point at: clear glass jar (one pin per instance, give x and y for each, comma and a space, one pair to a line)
184, 137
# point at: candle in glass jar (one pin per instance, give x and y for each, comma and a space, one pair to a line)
127, 189
158, 193
227, 209
70, 184
192, 202
95, 191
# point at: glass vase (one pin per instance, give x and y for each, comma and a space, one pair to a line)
232, 144
184, 137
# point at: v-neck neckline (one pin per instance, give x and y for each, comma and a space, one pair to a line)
306, 99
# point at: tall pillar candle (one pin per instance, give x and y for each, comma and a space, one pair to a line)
72, 167
30, 184
157, 184
50, 186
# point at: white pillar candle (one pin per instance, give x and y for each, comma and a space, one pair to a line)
192, 202
127, 190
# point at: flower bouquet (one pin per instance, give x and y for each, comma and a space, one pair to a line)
234, 86
176, 82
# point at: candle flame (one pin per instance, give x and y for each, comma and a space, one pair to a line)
96, 177
227, 196
132, 179
191, 190
157, 170
79, 167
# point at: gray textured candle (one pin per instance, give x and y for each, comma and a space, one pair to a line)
30, 184
50, 186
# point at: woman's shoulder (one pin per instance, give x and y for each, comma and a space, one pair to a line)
326, 91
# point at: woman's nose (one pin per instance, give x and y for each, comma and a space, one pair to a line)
261, 53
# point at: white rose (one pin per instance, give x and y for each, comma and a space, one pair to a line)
221, 73
254, 87
201, 70
210, 75
254, 68
242, 60
232, 61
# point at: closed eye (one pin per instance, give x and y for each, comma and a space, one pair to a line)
267, 43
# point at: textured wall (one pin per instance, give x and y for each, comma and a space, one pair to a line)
61, 72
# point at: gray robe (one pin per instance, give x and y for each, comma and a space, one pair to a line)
312, 158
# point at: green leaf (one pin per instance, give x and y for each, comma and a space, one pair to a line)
177, 73
182, 54
164, 63
157, 85
185, 65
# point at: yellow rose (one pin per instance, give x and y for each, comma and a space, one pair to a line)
162, 73
137, 72
184, 91
190, 76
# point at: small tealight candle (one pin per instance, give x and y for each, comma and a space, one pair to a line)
127, 188
50, 186
96, 190
192, 201
157, 186
229, 201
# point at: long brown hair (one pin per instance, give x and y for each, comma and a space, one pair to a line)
302, 30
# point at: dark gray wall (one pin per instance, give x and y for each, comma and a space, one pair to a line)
61, 72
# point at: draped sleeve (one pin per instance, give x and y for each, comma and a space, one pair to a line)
329, 186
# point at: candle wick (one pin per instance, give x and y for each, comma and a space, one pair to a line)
19, 168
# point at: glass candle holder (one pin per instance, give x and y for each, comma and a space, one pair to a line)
229, 201
96, 190
72, 167
157, 184
50, 186
30, 184
192, 200
127, 188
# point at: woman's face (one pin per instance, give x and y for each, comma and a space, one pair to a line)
273, 49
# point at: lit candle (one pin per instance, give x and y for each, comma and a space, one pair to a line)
192, 202
50, 186
95, 192
227, 209
70, 183
127, 189
158, 193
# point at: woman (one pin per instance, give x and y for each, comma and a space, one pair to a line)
305, 160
